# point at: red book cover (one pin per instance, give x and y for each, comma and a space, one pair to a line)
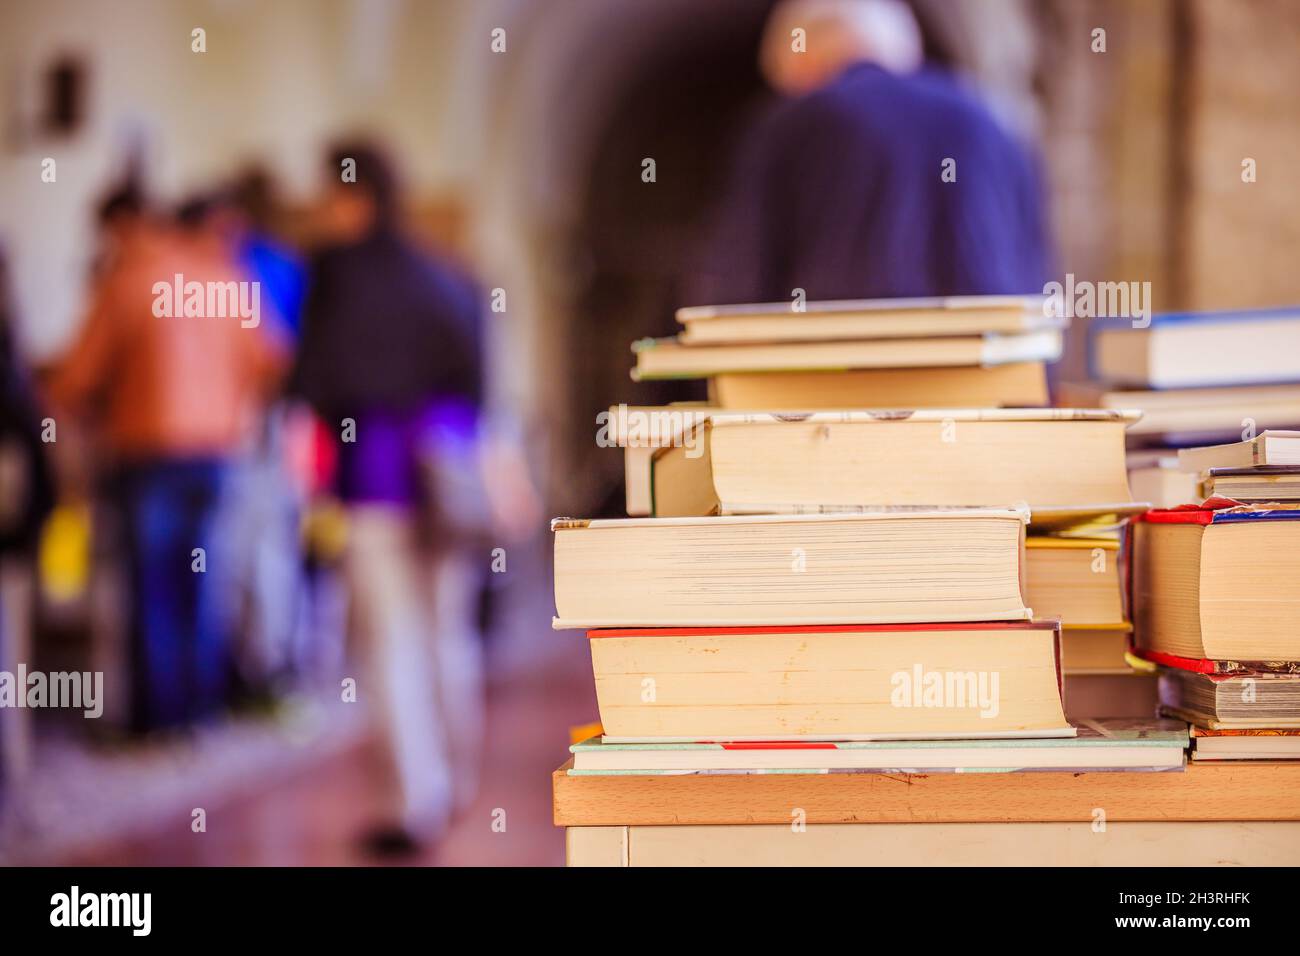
1218, 668
1183, 514
1215, 510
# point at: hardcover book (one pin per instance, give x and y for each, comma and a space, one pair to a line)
863, 319
806, 569
1198, 349
1261, 744
1016, 385
1259, 485
668, 358
1099, 745
1232, 701
1267, 448
1217, 583
848, 682
836, 461
1193, 415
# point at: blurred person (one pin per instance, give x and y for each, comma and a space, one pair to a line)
252, 202
875, 175
26, 497
259, 510
174, 392
26, 487
120, 219
391, 360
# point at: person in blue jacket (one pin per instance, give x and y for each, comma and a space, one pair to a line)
875, 175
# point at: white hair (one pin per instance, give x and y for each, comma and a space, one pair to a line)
837, 33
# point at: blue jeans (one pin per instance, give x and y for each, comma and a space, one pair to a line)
180, 648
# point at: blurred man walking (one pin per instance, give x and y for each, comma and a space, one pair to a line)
174, 393
390, 359
876, 176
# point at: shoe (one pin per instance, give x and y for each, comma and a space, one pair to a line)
393, 843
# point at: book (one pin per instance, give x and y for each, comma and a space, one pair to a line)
1096, 650
1218, 584
1208, 791
836, 461
1266, 448
1192, 414
1138, 844
1199, 349
1099, 745
637, 501
1262, 744
863, 319
1205, 665
851, 682
1231, 701
1075, 579
639, 430
1254, 485
806, 569
1015, 385
668, 358
1153, 477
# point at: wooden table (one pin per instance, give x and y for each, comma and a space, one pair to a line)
1236, 813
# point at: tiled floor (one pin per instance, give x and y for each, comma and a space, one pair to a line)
315, 815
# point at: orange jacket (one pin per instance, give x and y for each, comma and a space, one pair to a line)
170, 385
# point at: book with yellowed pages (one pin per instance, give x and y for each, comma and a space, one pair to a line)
1268, 448
863, 319
1231, 701
848, 682
805, 569
1080, 581
1096, 650
1015, 385
668, 358
1100, 745
737, 463
636, 481
1192, 411
1075, 579
1217, 584
1260, 485
1272, 743
640, 429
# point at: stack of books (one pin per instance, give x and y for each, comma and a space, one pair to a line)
699, 458
891, 639
1217, 601
977, 351
962, 352
816, 589
1197, 377
1262, 469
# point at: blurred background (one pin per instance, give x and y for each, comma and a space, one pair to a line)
446, 207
